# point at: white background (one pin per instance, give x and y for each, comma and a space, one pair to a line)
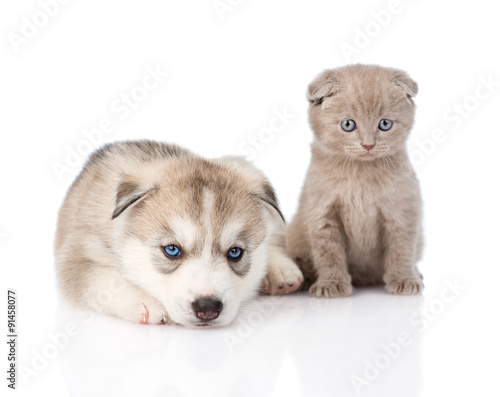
228, 72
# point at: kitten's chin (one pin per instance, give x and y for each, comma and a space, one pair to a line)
367, 156
363, 156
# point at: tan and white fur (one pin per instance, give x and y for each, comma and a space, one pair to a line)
360, 214
133, 199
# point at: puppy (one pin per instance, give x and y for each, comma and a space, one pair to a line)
360, 213
152, 233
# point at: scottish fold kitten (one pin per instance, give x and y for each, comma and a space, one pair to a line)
360, 214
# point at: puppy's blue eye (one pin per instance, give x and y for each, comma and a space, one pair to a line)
235, 253
385, 125
348, 125
172, 251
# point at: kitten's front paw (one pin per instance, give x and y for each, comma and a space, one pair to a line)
405, 286
283, 276
330, 289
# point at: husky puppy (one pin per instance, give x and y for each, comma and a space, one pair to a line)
360, 214
152, 233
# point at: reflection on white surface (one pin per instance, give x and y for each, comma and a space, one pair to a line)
279, 346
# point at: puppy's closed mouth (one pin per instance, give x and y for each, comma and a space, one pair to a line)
204, 324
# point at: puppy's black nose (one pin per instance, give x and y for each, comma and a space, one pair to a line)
207, 308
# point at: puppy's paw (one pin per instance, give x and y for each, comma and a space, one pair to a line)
283, 276
330, 289
150, 311
405, 286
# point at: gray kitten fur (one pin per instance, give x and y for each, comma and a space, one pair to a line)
360, 214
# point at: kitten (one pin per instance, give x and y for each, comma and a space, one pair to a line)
360, 214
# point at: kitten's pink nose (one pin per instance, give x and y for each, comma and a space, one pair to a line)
368, 147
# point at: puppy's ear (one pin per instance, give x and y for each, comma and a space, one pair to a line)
129, 193
259, 186
268, 196
406, 83
323, 86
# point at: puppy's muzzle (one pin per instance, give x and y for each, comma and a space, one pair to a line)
207, 308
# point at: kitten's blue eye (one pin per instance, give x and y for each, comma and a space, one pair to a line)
172, 251
348, 125
235, 253
385, 125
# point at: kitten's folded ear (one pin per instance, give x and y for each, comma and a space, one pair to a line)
324, 85
130, 193
403, 80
